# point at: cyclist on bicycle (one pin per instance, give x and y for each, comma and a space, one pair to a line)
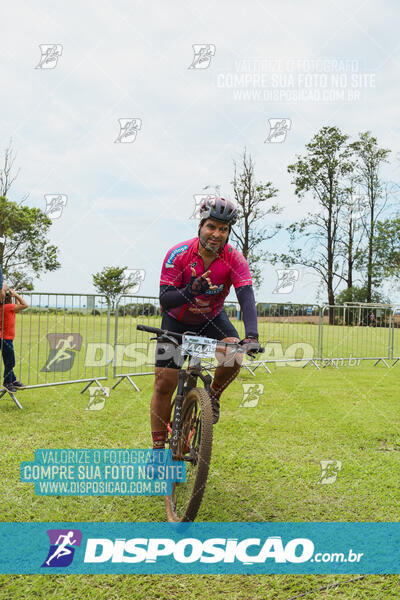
195, 280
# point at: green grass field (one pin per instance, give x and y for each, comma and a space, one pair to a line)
265, 467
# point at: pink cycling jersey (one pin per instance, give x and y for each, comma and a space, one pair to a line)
230, 267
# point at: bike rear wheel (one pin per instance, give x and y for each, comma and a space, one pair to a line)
195, 444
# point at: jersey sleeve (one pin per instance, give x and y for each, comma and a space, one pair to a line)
240, 272
171, 271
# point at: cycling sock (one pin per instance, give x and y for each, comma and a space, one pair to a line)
159, 438
216, 390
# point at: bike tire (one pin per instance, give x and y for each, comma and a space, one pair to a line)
196, 400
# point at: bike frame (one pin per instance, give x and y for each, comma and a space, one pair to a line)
187, 381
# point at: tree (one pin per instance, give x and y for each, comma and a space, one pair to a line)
369, 161
7, 177
252, 199
25, 250
113, 283
350, 232
322, 171
387, 247
359, 294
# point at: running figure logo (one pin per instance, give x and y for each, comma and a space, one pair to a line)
97, 398
329, 471
286, 281
203, 54
198, 200
61, 551
128, 129
251, 394
50, 53
132, 280
358, 206
278, 129
63, 347
55, 203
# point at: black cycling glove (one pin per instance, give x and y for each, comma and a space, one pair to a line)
197, 285
171, 296
252, 345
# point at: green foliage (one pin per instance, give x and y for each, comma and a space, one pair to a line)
253, 199
343, 234
387, 247
360, 294
112, 283
26, 251
370, 159
322, 172
134, 310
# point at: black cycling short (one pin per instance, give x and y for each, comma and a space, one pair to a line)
218, 328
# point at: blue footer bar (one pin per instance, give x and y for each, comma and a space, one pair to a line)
217, 548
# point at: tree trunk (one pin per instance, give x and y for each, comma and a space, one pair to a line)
350, 256
370, 252
331, 295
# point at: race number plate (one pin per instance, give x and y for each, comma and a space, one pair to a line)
199, 347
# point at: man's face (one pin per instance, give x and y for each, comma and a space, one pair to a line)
213, 235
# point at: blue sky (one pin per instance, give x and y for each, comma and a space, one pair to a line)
129, 202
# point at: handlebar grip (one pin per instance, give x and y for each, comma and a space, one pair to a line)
159, 332
150, 329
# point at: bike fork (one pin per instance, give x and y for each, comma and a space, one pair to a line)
176, 423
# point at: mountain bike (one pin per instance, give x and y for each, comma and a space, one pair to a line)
190, 433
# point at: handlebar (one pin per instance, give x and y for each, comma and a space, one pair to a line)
160, 332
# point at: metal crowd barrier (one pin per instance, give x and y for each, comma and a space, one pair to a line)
77, 338
355, 332
133, 350
62, 339
289, 333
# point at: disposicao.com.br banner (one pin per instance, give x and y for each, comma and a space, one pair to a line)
251, 548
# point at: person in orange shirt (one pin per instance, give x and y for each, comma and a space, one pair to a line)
7, 335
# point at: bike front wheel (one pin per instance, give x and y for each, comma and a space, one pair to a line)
194, 446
